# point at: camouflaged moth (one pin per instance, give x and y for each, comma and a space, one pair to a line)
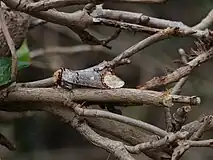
91, 77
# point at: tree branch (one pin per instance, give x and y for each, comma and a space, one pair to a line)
115, 147
143, 44
206, 22
171, 137
124, 25
46, 5
116, 96
68, 50
128, 134
178, 73
48, 82
133, 122
177, 118
140, 18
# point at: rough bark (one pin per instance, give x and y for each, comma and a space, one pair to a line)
18, 24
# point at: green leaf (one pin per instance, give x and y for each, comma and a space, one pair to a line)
5, 70
23, 55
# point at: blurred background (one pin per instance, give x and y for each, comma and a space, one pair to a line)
44, 137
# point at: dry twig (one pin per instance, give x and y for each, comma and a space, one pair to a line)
164, 141
140, 18
171, 121
115, 147
178, 73
133, 122
62, 103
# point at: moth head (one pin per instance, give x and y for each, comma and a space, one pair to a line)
57, 76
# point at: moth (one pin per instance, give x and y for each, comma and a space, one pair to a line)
93, 77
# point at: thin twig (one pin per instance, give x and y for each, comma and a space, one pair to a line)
140, 18
112, 37
11, 46
178, 73
46, 5
5, 142
176, 90
184, 145
108, 157
68, 50
195, 125
115, 147
206, 22
207, 120
125, 25
48, 82
203, 143
171, 137
70, 20
143, 44
104, 114
128, 134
